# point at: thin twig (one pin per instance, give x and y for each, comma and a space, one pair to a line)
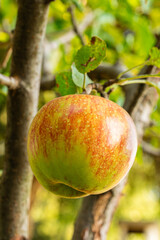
10, 82
98, 87
109, 82
8, 48
74, 23
101, 88
68, 36
7, 57
149, 149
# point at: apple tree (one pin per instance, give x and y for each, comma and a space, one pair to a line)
56, 47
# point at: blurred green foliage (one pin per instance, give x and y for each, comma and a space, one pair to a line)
53, 216
129, 28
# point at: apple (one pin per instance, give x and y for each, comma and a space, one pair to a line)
80, 145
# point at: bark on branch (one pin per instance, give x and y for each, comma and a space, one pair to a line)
10, 82
22, 106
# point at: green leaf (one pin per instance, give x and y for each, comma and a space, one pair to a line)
89, 57
155, 57
78, 77
65, 83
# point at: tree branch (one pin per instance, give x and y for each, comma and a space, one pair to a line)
95, 214
48, 81
74, 24
10, 82
107, 71
144, 105
22, 106
149, 149
88, 225
102, 72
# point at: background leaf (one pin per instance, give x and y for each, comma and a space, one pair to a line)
3, 97
89, 57
65, 83
128, 28
155, 57
79, 77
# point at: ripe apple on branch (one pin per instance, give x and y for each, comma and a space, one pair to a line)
81, 144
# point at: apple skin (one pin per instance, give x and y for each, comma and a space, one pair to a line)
80, 145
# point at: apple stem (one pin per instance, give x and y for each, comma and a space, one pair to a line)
84, 82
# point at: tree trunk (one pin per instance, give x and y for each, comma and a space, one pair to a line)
21, 107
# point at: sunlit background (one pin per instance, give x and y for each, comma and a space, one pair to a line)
129, 29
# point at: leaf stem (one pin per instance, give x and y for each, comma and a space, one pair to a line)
121, 83
84, 81
139, 77
126, 82
139, 65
